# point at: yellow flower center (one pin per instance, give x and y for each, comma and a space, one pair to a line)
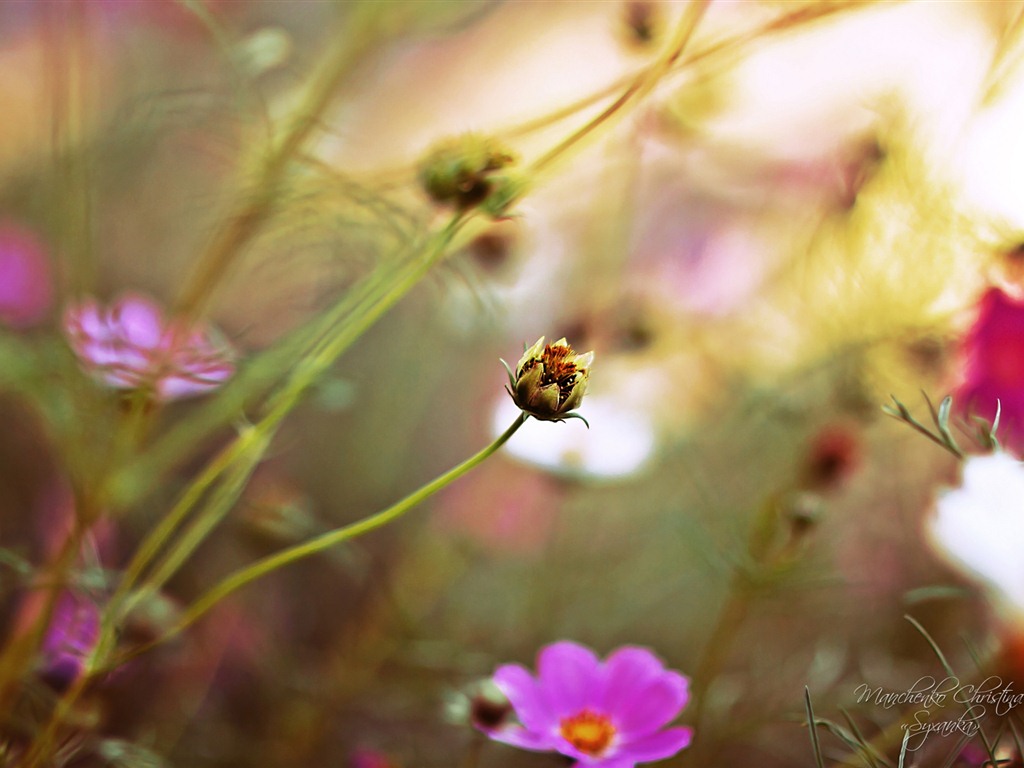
559, 368
588, 731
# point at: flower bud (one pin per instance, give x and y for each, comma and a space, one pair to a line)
550, 380
462, 171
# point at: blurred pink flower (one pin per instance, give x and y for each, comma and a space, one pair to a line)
994, 366
834, 453
25, 289
130, 346
505, 524
369, 758
607, 713
73, 631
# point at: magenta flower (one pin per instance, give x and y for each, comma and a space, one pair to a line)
70, 638
994, 366
25, 284
130, 346
610, 713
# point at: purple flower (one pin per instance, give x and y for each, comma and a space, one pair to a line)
73, 631
609, 713
130, 346
25, 290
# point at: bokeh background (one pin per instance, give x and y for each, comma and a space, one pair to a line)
796, 222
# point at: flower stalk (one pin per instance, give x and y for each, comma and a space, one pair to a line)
325, 541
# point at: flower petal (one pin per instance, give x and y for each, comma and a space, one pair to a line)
520, 737
611, 762
656, 746
653, 706
524, 693
569, 675
627, 672
532, 352
140, 322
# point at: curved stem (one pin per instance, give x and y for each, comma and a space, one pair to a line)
643, 83
266, 565
372, 304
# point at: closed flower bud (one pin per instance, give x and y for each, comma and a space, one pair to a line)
462, 172
550, 380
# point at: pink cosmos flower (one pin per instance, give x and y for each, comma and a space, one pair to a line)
994, 365
608, 714
25, 289
130, 346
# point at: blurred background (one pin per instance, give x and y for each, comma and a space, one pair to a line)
795, 222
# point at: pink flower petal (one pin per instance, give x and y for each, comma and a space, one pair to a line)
656, 746
568, 674
140, 322
627, 672
130, 347
523, 693
993, 352
524, 739
25, 281
652, 707
632, 689
84, 321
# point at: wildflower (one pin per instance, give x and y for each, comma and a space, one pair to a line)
130, 346
609, 713
71, 636
25, 286
550, 380
980, 527
994, 365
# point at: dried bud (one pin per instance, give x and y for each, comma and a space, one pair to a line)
489, 709
461, 171
642, 21
803, 511
550, 380
833, 456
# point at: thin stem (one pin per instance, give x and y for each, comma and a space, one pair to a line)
761, 557
266, 565
377, 299
719, 645
252, 212
173, 520
220, 502
641, 85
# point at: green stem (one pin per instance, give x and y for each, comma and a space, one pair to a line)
640, 86
252, 212
220, 503
266, 565
374, 302
377, 299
